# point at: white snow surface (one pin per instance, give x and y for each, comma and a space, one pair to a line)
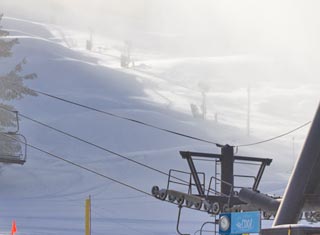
46, 195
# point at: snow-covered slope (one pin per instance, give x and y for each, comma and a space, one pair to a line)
46, 196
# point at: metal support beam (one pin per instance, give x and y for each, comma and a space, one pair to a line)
227, 160
194, 172
305, 173
184, 154
259, 176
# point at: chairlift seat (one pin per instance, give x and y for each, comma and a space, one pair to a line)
12, 159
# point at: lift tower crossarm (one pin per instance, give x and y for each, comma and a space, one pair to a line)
228, 166
267, 161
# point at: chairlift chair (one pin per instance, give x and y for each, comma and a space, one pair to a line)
13, 156
11, 139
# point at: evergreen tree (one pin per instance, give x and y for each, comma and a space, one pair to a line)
11, 88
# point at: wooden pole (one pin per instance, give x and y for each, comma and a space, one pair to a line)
249, 110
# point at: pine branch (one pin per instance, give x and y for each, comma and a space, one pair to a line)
11, 84
3, 33
6, 47
7, 119
11, 87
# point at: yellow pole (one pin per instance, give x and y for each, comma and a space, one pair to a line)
289, 230
88, 216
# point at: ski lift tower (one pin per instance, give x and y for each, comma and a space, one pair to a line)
303, 188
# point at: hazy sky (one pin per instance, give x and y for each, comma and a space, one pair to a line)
219, 26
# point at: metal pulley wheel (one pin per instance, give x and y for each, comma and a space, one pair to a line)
316, 216
189, 203
155, 191
198, 205
215, 208
171, 198
180, 200
225, 208
308, 215
163, 194
266, 215
207, 206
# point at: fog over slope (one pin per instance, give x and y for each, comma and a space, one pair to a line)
282, 28
178, 46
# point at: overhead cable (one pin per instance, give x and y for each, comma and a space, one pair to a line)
93, 144
275, 137
126, 118
78, 165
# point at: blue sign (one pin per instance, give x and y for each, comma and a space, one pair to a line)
245, 222
241, 222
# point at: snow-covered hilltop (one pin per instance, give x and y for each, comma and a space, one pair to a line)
46, 196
